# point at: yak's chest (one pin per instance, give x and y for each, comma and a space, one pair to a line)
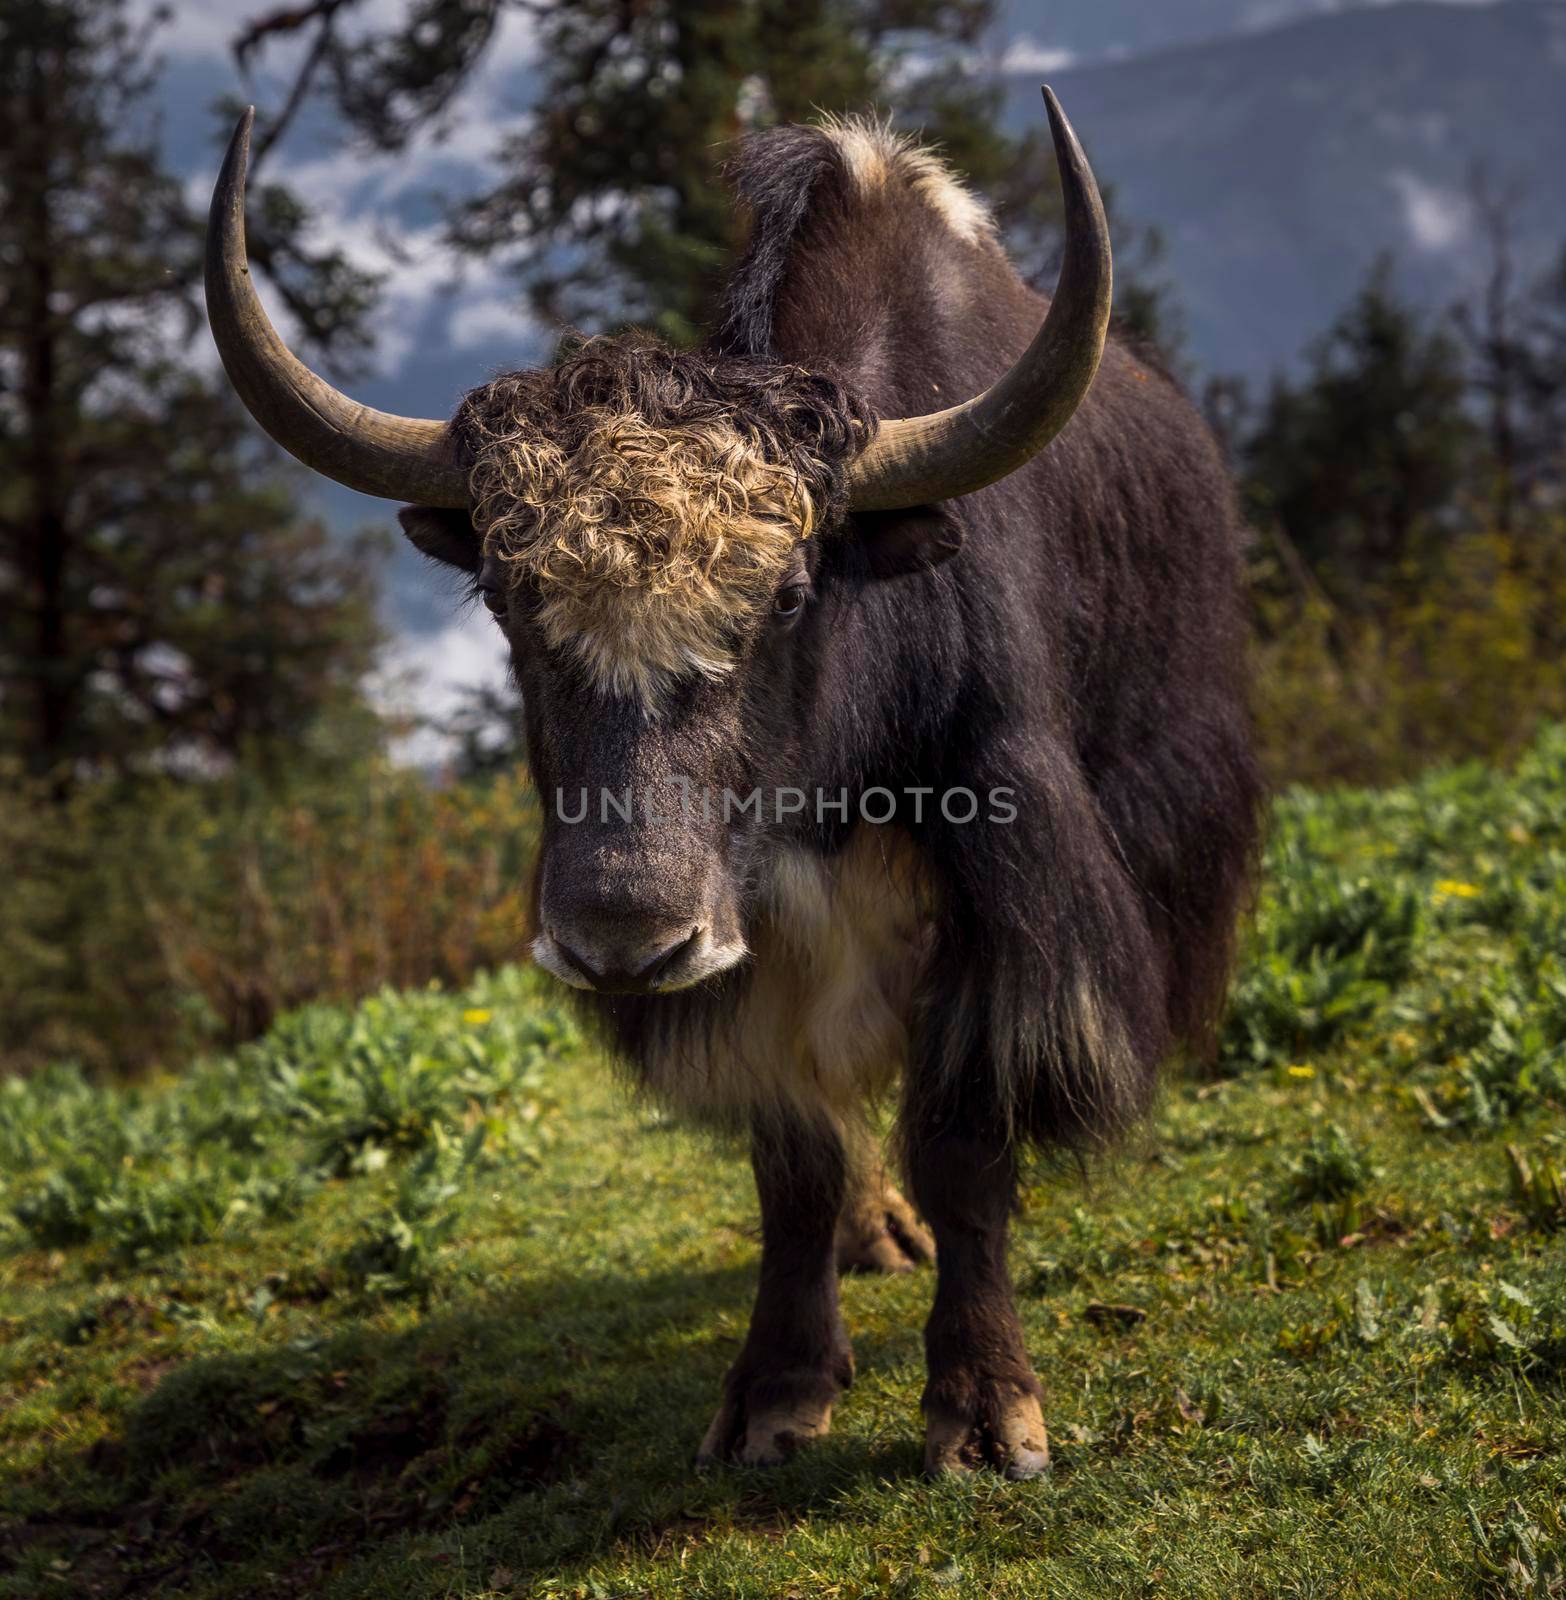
823, 1021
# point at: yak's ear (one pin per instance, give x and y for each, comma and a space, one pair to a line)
898, 542
445, 536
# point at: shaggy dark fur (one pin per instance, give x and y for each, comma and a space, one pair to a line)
776, 176
1087, 647
1073, 634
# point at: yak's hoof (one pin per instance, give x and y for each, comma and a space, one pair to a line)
763, 1423
1003, 1429
885, 1236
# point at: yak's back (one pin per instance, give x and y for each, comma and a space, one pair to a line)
861, 239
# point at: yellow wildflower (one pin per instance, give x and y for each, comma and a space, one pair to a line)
1453, 889
1302, 1070
475, 1019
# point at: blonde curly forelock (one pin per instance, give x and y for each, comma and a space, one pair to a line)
651, 541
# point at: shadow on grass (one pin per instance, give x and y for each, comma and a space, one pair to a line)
534, 1431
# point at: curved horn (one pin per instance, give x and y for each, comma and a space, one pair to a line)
916, 460
398, 458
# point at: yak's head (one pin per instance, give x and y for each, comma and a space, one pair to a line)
643, 528
645, 525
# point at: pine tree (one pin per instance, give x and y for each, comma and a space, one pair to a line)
1513, 333
159, 589
1362, 461
1544, 385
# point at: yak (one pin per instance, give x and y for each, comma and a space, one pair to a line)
891, 733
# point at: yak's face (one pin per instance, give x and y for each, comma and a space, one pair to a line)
645, 529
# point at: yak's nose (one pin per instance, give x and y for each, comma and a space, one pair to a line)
620, 959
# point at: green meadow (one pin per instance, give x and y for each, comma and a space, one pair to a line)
415, 1299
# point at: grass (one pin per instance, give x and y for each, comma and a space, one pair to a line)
414, 1301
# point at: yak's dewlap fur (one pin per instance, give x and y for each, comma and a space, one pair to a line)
654, 499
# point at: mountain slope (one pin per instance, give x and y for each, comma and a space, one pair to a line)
1279, 165
1093, 28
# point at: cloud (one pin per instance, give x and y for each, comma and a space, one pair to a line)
490, 321
1274, 13
356, 200
425, 677
1026, 54
198, 29
373, 205
416, 274
1269, 13
515, 43
192, 30
1436, 218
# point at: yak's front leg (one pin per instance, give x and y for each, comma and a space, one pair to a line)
796, 1360
981, 1400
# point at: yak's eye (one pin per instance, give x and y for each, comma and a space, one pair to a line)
492, 586
789, 602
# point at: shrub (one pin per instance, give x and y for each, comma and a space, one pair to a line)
1464, 658
145, 924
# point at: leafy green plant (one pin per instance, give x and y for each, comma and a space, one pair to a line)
1539, 1188
1500, 1324
1439, 907
238, 1143
1331, 1167
396, 1253
1327, 950
1517, 1558
63, 1208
